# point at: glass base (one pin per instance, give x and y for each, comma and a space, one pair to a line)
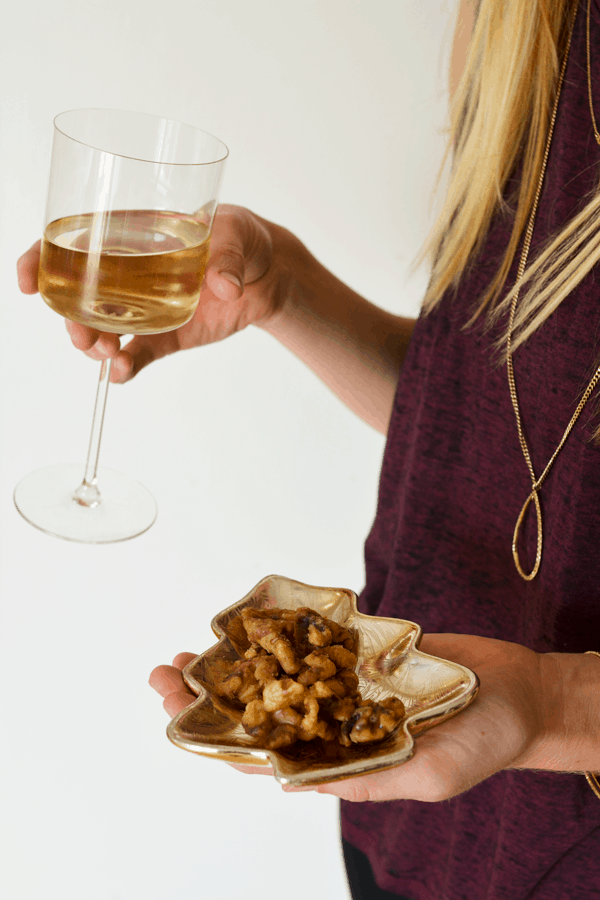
46, 499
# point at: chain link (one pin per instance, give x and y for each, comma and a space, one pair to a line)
536, 483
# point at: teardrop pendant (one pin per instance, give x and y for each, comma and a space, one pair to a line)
538, 556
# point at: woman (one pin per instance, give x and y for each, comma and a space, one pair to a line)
466, 472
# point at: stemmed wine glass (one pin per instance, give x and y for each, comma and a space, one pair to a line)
130, 208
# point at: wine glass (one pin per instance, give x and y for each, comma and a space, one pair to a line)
131, 202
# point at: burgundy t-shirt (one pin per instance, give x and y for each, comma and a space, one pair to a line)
439, 553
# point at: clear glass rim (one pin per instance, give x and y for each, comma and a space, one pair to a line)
211, 162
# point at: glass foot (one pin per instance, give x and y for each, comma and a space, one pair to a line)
51, 500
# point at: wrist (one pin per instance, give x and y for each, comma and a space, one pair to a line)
568, 737
353, 346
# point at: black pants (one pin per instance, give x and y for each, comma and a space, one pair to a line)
360, 876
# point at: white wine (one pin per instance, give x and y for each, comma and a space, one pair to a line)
125, 271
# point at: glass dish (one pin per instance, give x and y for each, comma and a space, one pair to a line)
389, 664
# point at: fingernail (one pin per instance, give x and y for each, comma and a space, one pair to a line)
231, 278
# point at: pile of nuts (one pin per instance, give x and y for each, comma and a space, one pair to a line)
297, 681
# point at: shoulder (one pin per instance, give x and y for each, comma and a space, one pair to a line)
465, 21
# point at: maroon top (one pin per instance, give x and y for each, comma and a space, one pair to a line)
452, 484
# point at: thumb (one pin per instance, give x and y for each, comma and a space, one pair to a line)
241, 252
139, 352
225, 273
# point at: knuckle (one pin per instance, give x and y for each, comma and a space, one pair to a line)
228, 209
237, 233
230, 254
231, 222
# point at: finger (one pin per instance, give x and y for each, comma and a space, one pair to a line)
177, 701
241, 252
182, 659
224, 285
225, 274
82, 338
252, 770
122, 367
102, 345
95, 344
358, 790
140, 352
166, 680
27, 269
106, 347
299, 788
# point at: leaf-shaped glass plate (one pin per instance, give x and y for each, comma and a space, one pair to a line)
389, 664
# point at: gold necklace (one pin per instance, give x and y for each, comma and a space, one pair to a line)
589, 73
536, 483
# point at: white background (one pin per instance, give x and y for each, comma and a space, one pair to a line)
334, 113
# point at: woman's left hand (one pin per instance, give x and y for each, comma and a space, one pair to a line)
503, 728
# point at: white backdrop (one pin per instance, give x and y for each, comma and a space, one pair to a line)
334, 113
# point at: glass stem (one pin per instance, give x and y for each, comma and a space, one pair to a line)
87, 494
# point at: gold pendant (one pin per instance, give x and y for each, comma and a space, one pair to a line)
538, 556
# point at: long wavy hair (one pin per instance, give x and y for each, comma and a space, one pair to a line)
500, 117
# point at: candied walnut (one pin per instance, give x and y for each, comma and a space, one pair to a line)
308, 726
319, 636
259, 724
336, 705
281, 648
282, 620
282, 693
342, 708
241, 684
250, 690
287, 716
394, 711
310, 630
281, 736
254, 651
307, 676
344, 659
322, 690
266, 668
256, 720
372, 722
320, 664
268, 632
335, 686
312, 726
343, 636
349, 680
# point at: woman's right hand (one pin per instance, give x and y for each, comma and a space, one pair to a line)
246, 282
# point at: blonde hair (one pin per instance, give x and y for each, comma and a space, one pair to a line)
500, 117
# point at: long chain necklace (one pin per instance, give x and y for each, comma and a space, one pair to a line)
536, 483
589, 73
592, 778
